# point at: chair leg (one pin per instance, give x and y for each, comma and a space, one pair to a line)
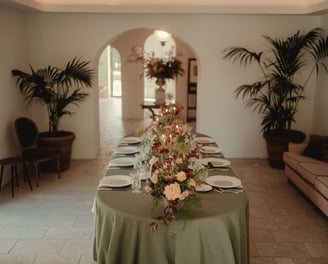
16, 175
58, 167
36, 173
1, 173
12, 181
27, 176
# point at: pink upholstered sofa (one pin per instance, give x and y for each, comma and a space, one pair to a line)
310, 175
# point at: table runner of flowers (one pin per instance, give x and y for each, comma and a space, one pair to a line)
176, 165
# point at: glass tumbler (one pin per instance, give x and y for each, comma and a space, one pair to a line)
136, 182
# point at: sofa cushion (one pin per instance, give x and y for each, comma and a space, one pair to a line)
321, 184
293, 159
324, 149
309, 171
315, 147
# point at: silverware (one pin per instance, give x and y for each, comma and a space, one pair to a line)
103, 188
236, 190
223, 168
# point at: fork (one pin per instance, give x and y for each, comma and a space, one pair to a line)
220, 190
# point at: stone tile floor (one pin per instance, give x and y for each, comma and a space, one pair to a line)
54, 225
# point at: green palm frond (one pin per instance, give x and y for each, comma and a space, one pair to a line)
56, 88
319, 53
244, 56
250, 90
277, 94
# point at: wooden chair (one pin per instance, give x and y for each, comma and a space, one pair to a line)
27, 134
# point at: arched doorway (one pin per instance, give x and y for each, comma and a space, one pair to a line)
109, 73
125, 116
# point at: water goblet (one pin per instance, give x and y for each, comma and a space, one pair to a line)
136, 182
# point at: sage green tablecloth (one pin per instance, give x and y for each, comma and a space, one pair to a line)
217, 232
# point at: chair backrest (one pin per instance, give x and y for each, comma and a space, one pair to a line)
27, 132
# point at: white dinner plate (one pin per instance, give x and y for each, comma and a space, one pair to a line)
127, 150
216, 162
204, 188
210, 150
204, 140
130, 140
223, 181
122, 162
115, 181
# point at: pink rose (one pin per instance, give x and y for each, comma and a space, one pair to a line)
153, 160
148, 189
183, 195
172, 191
181, 176
168, 177
154, 178
192, 183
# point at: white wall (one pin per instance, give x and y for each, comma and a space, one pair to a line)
13, 53
320, 116
54, 38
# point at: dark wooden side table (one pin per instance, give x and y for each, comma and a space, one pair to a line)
13, 162
151, 108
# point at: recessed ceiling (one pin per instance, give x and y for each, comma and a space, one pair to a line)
175, 6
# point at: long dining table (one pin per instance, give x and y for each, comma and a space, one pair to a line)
215, 232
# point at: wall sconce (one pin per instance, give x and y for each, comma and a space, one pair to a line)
162, 36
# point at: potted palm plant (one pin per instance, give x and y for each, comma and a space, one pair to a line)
286, 69
56, 89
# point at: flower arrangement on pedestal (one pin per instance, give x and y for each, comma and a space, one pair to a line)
162, 69
175, 162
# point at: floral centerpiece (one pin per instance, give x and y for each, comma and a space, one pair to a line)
175, 162
163, 68
169, 67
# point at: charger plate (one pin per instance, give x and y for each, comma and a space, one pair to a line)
127, 150
204, 140
122, 162
223, 181
204, 188
216, 162
210, 150
130, 140
115, 181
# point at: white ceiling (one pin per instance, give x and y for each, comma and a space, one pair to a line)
174, 6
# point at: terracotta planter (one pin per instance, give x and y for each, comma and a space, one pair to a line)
61, 143
277, 143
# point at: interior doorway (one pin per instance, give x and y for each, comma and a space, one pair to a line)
109, 73
121, 85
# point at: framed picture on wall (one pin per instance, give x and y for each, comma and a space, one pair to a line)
192, 71
192, 89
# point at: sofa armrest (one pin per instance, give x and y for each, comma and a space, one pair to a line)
297, 147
